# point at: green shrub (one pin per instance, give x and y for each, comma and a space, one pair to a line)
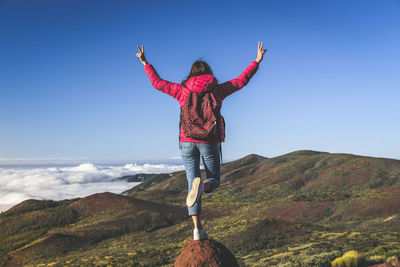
384, 252
321, 260
393, 253
380, 250
349, 259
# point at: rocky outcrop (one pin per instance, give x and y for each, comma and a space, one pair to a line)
205, 253
393, 263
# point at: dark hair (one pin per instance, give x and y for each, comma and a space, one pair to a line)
199, 67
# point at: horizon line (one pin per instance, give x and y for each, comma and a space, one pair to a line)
33, 160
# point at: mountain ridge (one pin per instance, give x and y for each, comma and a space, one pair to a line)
263, 208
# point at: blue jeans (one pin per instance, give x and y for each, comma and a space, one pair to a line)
191, 154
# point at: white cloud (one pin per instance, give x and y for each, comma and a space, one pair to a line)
18, 184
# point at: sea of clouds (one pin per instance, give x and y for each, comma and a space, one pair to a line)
18, 184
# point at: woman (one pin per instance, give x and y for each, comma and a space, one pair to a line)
200, 80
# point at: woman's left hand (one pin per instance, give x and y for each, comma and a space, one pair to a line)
141, 56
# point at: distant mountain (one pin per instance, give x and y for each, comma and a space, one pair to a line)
140, 177
304, 208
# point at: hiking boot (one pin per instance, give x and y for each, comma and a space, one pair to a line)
199, 234
207, 187
195, 192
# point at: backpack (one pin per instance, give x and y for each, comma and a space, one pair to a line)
201, 117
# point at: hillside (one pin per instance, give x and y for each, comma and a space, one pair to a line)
304, 208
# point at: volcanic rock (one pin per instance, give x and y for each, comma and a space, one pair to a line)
205, 253
393, 263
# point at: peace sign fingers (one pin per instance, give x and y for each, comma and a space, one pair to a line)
140, 51
260, 46
260, 51
140, 55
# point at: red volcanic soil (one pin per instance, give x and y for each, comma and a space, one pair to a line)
110, 202
331, 179
392, 162
388, 203
205, 253
24, 205
300, 210
126, 214
265, 167
102, 202
32, 204
393, 263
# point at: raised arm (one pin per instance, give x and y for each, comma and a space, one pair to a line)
172, 89
229, 87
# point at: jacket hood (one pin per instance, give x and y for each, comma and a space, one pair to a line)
201, 83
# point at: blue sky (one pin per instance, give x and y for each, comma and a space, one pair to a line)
71, 86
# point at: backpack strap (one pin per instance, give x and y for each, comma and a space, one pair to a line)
220, 152
179, 132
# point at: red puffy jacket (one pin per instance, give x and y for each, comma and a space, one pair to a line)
199, 84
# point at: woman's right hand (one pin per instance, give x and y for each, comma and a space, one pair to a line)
141, 56
260, 52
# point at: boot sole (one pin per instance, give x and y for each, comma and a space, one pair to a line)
193, 195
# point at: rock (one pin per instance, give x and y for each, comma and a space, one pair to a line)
205, 253
393, 263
